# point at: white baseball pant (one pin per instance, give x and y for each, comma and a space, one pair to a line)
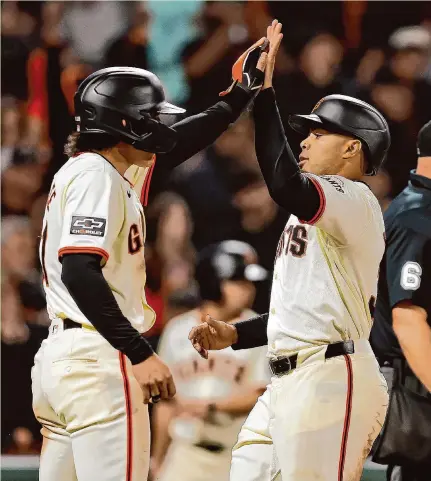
316, 423
94, 422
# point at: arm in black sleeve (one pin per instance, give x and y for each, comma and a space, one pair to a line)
197, 132
96, 301
289, 188
252, 332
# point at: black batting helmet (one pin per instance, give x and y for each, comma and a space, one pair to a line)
347, 115
229, 260
125, 102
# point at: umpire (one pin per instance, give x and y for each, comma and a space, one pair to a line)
401, 334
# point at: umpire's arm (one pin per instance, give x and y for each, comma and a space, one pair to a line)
409, 284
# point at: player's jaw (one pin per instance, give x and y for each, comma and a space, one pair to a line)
136, 157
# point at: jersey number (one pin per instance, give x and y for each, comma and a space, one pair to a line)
411, 276
294, 241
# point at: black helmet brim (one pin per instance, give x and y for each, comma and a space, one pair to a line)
304, 123
168, 108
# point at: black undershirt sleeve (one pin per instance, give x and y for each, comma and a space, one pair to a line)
96, 301
197, 132
251, 332
288, 187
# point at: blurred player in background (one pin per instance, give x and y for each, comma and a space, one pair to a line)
213, 397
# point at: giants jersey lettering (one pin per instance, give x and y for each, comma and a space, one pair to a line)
325, 274
93, 209
224, 374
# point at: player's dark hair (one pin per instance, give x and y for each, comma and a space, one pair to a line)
83, 142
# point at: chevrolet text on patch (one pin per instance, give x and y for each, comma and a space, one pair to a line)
85, 225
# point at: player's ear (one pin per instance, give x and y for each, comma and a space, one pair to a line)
353, 147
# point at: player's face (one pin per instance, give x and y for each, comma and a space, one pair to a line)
323, 152
135, 156
238, 295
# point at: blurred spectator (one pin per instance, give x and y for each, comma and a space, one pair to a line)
171, 29
23, 442
169, 255
17, 27
89, 26
381, 186
18, 277
131, 48
396, 102
411, 56
317, 75
209, 58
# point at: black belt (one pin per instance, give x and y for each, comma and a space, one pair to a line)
283, 365
212, 447
69, 324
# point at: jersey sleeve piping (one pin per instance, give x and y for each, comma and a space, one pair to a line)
83, 250
322, 205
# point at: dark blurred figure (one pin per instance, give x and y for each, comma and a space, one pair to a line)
208, 60
17, 30
317, 75
23, 442
89, 26
411, 53
169, 256
401, 334
131, 48
396, 102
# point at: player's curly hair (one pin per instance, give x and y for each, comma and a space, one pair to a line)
83, 142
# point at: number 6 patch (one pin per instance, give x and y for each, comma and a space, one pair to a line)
82, 225
411, 276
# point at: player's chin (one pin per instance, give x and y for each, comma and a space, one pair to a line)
144, 162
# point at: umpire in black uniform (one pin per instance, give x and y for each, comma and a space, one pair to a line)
401, 334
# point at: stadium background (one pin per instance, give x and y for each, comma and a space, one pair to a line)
377, 51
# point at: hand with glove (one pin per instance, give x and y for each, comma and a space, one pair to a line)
254, 69
248, 70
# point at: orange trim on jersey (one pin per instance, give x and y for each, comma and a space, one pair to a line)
322, 205
146, 187
347, 416
128, 402
83, 250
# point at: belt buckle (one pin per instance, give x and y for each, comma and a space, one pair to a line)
281, 373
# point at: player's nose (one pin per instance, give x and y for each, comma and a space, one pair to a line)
305, 144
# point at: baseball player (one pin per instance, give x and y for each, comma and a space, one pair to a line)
327, 399
213, 398
95, 373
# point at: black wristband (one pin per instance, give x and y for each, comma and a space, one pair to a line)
138, 350
251, 333
238, 99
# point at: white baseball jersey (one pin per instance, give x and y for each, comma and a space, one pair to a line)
326, 270
92, 208
224, 374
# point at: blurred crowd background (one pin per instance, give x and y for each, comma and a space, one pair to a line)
377, 51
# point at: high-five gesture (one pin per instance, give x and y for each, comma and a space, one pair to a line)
212, 335
274, 36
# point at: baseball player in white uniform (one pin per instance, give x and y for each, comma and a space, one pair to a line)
95, 374
213, 398
327, 399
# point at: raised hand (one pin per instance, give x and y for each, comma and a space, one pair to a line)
274, 36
